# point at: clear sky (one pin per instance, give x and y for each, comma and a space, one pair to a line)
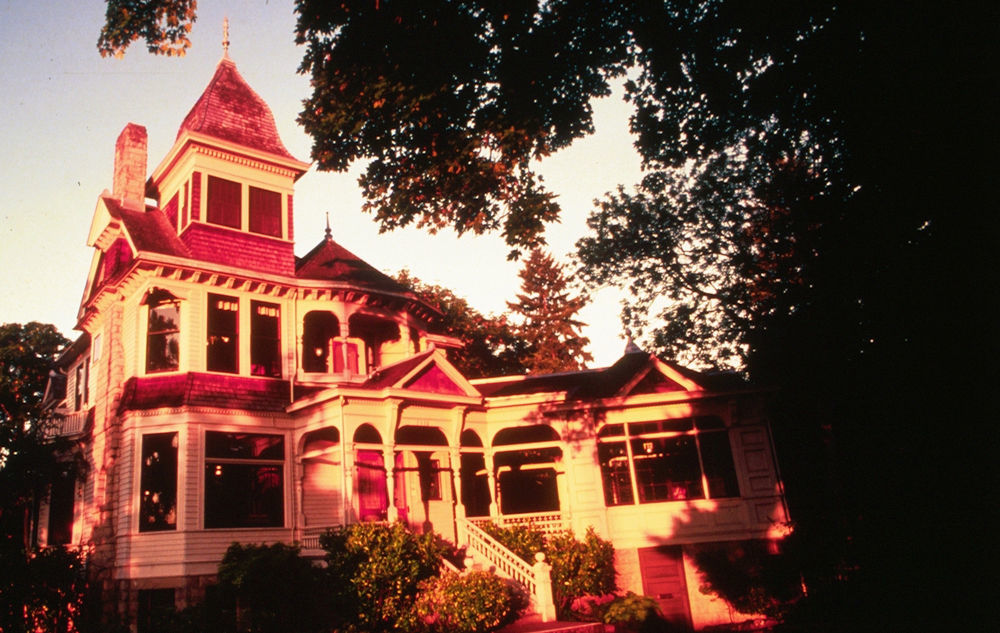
62, 107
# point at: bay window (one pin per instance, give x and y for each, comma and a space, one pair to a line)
244, 480
158, 483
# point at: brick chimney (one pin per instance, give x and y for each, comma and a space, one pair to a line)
130, 167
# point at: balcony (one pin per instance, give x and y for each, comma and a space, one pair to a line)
68, 424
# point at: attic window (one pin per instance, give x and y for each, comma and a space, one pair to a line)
265, 212
224, 202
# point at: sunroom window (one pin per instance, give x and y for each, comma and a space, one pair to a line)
670, 460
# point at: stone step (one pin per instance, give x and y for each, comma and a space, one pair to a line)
532, 623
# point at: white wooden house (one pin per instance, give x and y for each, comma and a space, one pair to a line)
225, 390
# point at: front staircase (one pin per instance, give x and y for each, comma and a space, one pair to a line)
488, 553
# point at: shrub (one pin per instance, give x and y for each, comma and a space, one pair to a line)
523, 541
476, 602
377, 569
748, 577
635, 612
579, 568
275, 589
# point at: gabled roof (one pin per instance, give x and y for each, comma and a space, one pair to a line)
330, 261
634, 373
428, 371
230, 110
148, 230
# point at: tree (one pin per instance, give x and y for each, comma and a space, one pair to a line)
493, 347
834, 145
163, 24
28, 461
37, 589
548, 311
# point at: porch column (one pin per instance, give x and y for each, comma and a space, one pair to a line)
389, 457
455, 463
491, 483
299, 520
393, 406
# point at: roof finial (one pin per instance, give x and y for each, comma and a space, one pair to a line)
329, 233
225, 36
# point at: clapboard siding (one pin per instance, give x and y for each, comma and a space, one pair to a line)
322, 497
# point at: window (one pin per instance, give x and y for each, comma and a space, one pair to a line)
244, 480
265, 212
163, 337
265, 339
223, 353
158, 483
671, 460
527, 480
324, 350
224, 202
61, 497
82, 390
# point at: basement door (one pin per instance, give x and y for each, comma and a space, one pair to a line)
662, 569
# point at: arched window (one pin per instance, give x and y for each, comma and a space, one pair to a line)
373, 493
324, 350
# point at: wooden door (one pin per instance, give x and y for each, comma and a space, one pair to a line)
662, 570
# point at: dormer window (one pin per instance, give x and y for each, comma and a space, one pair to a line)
225, 207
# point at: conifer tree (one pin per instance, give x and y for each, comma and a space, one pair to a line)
547, 310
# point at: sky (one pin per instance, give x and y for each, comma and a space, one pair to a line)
62, 106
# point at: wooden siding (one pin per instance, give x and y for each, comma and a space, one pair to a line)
322, 496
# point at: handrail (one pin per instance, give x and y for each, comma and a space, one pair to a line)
536, 578
505, 561
545, 522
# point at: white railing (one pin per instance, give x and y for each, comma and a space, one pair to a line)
536, 578
545, 522
68, 424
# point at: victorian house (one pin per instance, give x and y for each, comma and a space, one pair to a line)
225, 390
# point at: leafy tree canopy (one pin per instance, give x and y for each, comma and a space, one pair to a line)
163, 24
27, 354
547, 311
493, 346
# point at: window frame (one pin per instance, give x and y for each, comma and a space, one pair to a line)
146, 481
708, 435
262, 344
219, 202
242, 501
168, 334
222, 356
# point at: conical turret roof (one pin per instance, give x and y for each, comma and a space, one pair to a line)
230, 110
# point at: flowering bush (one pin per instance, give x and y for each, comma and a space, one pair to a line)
476, 602
379, 567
